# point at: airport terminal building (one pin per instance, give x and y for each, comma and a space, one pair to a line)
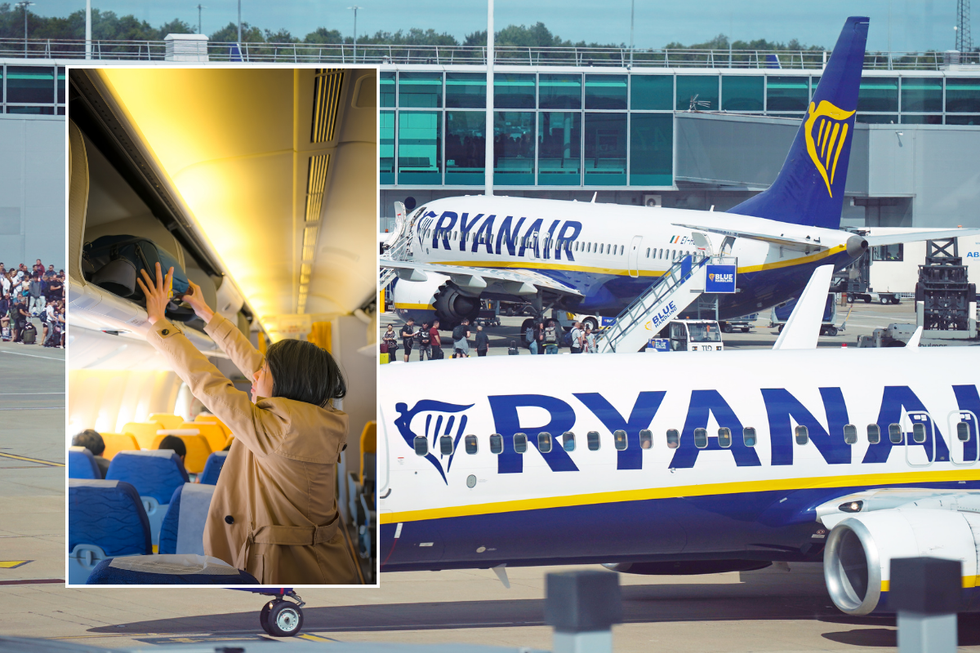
689, 133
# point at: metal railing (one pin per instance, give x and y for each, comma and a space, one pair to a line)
458, 55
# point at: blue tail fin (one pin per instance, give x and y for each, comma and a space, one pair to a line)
810, 187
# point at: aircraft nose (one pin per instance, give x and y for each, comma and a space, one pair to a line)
856, 246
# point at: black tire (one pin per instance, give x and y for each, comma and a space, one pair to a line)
264, 615
832, 331
285, 619
780, 328
524, 326
745, 330
867, 299
726, 328
883, 300
591, 321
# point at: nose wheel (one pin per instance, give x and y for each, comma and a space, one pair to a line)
282, 618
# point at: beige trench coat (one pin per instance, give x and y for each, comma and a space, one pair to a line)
274, 512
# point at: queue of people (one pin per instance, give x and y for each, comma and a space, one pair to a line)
35, 292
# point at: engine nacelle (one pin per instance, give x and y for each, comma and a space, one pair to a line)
437, 296
859, 550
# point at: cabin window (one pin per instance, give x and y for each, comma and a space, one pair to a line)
724, 437
592, 437
963, 432
749, 437
802, 434
700, 438
673, 438
470, 442
520, 442
619, 439
446, 445
895, 434
421, 445
496, 443
648, 252
568, 441
850, 434
918, 433
544, 442
646, 439
601, 247
661, 252
874, 434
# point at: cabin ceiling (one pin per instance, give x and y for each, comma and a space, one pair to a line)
278, 169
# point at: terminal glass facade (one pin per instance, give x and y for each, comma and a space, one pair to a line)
590, 129
37, 90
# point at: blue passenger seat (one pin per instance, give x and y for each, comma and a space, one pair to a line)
105, 519
183, 525
155, 474
213, 468
81, 464
180, 569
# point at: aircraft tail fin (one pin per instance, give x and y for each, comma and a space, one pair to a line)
809, 189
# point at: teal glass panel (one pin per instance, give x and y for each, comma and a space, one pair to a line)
704, 87
922, 94
962, 95
513, 91
386, 148
813, 85
651, 149
387, 83
466, 91
879, 119
513, 148
922, 119
61, 85
560, 91
740, 93
878, 94
559, 148
30, 84
963, 120
652, 92
420, 90
605, 149
787, 93
605, 92
419, 143
36, 111
466, 145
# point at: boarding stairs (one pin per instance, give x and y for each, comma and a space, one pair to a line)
678, 288
398, 251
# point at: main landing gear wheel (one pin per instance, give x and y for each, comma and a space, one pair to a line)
281, 618
592, 322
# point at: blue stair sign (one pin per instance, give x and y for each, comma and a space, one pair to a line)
719, 279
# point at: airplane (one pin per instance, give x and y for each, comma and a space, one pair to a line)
258, 184
849, 456
595, 259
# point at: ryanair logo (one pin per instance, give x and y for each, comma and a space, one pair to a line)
433, 421
826, 131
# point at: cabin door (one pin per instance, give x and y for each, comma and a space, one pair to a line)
634, 256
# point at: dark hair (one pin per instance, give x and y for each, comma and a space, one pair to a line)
91, 440
175, 443
304, 372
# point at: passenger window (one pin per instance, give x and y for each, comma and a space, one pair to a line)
700, 438
963, 432
619, 439
749, 436
470, 442
421, 445
918, 433
544, 442
874, 434
593, 439
724, 437
446, 445
895, 434
601, 247
648, 252
802, 435
646, 439
568, 441
520, 442
496, 443
850, 434
673, 438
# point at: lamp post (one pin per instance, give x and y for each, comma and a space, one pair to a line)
239, 23
25, 4
88, 29
355, 8
199, 8
632, 12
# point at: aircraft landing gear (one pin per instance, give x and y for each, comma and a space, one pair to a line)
281, 618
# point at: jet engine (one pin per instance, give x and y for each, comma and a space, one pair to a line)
437, 294
859, 550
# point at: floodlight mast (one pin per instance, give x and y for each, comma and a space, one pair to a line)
488, 158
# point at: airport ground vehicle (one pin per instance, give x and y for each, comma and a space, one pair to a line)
743, 324
782, 312
689, 335
258, 217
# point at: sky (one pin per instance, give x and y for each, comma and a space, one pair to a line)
896, 25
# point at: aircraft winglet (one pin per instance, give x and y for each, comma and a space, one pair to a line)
803, 326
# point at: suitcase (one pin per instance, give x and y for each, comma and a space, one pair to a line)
30, 334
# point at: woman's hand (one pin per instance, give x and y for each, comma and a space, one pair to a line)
157, 294
195, 299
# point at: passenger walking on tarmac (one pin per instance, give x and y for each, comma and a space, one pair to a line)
532, 339
578, 338
425, 342
391, 342
274, 509
551, 338
482, 341
589, 340
513, 350
461, 348
436, 341
408, 337
539, 335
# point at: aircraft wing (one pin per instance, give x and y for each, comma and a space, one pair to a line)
833, 512
511, 282
802, 244
916, 236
